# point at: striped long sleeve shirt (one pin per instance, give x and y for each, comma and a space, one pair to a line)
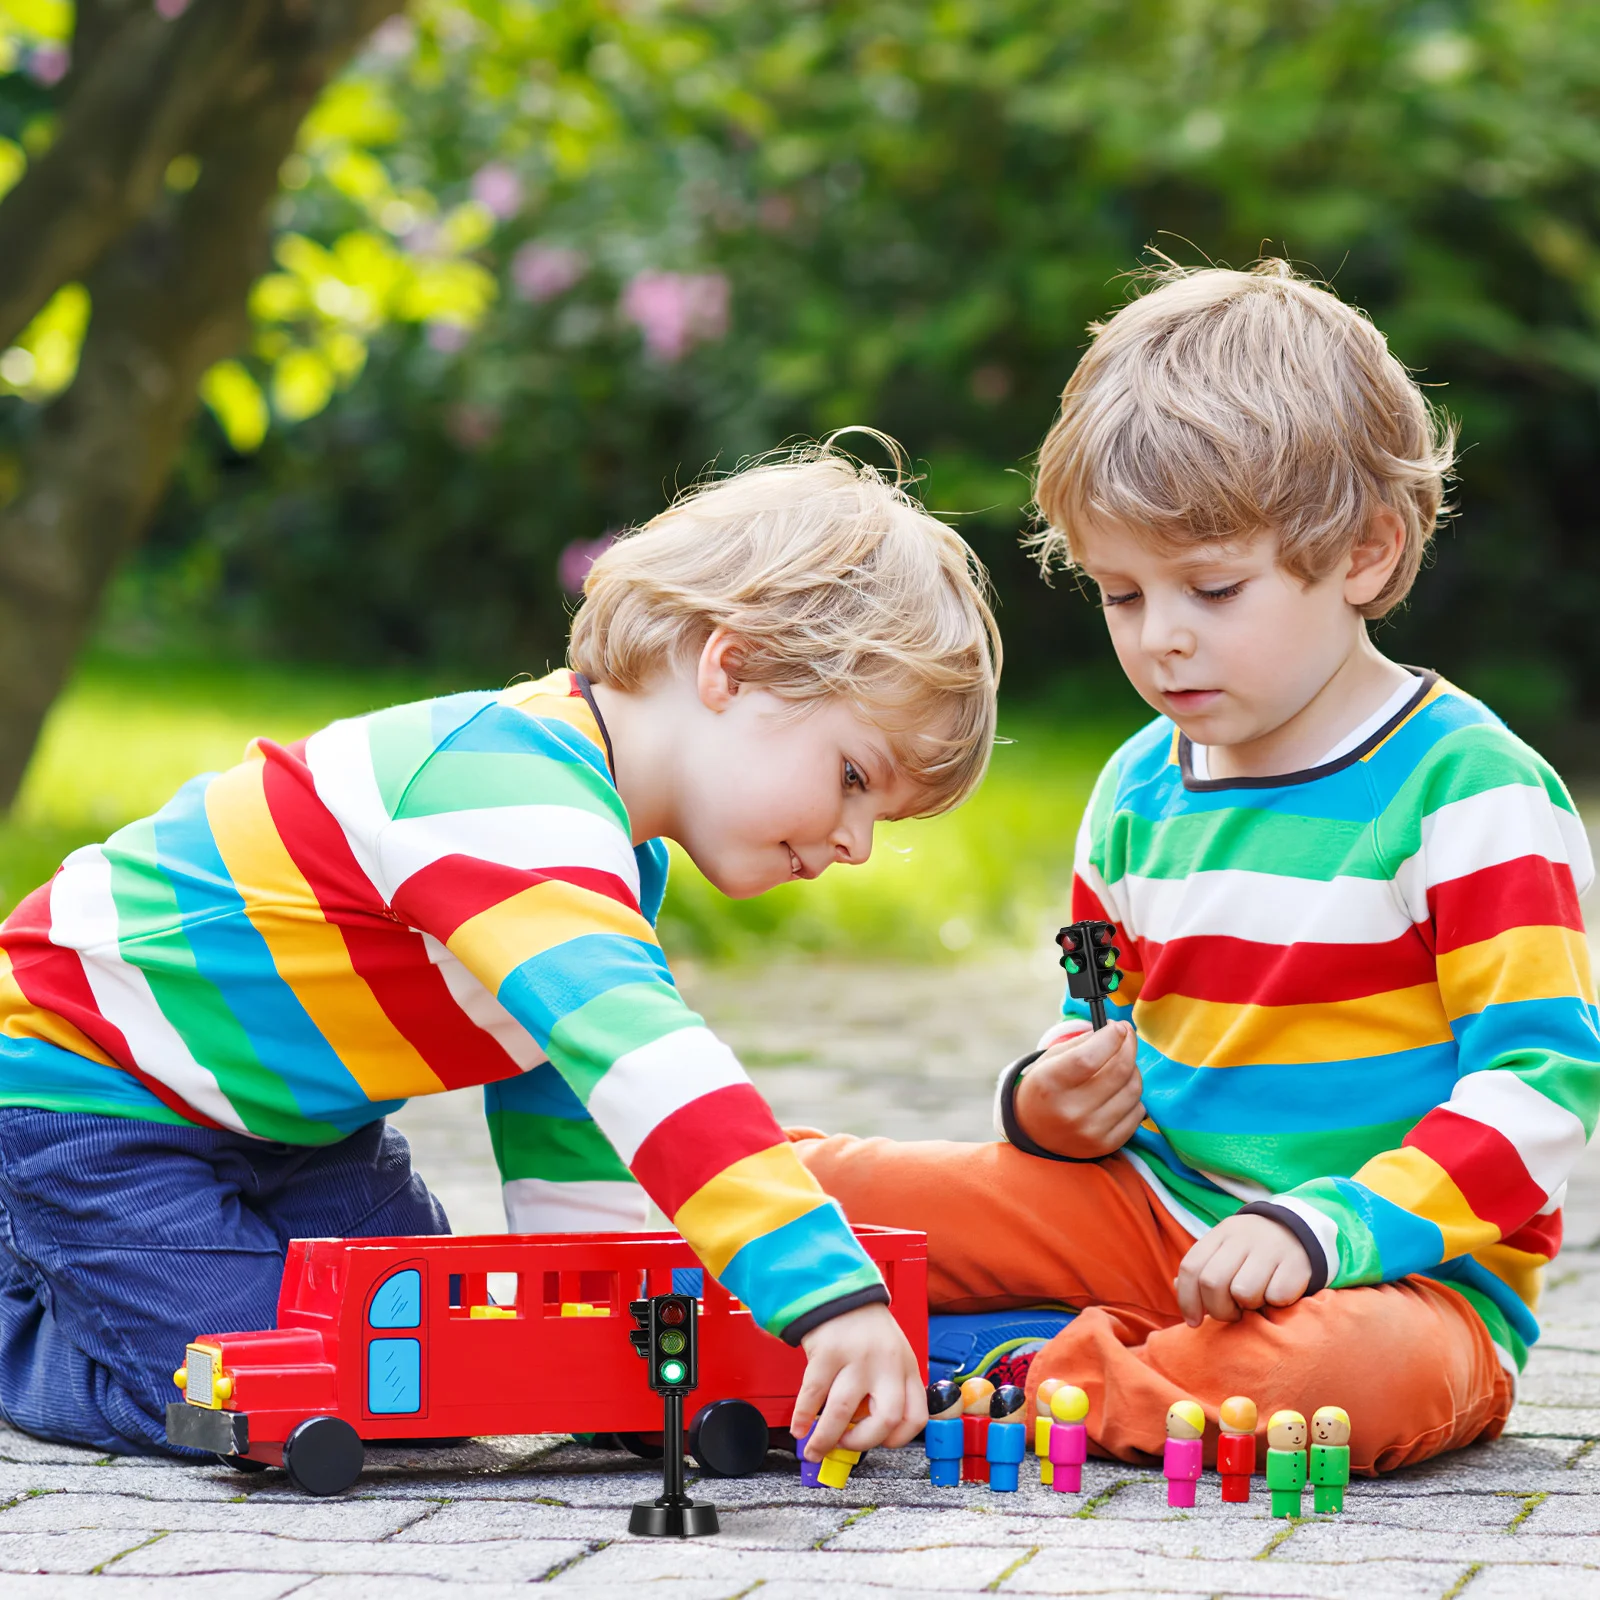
434, 896
1362, 995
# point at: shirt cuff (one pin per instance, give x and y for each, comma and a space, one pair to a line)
1302, 1230
874, 1295
1005, 1110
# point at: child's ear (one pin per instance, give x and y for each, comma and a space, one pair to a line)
1374, 559
717, 671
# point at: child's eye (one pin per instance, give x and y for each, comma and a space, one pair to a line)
1221, 594
852, 777
1118, 599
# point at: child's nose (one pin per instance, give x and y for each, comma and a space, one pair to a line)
1164, 634
852, 843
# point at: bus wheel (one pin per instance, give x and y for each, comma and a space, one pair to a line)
323, 1455
647, 1446
242, 1463
729, 1439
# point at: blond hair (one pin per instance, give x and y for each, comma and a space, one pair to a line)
836, 582
1221, 404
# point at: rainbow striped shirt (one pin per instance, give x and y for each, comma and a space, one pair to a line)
1363, 996
437, 895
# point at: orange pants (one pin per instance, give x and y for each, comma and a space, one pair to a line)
1410, 1361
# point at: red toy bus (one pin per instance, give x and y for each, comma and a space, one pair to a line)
443, 1337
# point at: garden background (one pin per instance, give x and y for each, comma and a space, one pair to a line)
533, 266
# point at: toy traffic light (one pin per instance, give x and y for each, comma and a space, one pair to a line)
1090, 957
665, 1338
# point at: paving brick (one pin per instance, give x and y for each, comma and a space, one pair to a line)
247, 1586
360, 1587
16, 1446
1564, 1514
801, 1591
303, 1519
1534, 1583
75, 1550
956, 1568
1561, 1422
786, 1527
1336, 1542
1085, 1572
182, 1484
500, 1560
1175, 1535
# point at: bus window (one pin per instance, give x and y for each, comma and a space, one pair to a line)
580, 1294
394, 1377
398, 1302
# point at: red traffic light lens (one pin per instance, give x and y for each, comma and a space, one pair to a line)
673, 1312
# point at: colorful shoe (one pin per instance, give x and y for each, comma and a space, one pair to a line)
977, 1344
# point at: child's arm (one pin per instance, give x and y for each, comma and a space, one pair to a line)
1490, 860
523, 869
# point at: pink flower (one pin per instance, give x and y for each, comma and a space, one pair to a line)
674, 310
392, 38
48, 63
171, 10
499, 188
448, 337
542, 271
473, 425
572, 566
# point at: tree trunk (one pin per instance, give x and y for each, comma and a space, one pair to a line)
169, 299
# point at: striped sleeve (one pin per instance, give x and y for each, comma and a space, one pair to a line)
1491, 862
507, 843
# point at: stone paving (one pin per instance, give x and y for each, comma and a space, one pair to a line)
866, 1050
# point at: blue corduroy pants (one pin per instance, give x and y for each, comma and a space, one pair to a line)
122, 1240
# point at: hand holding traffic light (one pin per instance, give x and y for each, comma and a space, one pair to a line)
1083, 1097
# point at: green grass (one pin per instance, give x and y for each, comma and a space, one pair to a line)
127, 734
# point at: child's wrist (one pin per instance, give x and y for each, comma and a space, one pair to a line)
1006, 1109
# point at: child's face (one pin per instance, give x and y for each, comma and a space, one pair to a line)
1220, 638
770, 795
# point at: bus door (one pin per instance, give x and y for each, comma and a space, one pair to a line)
395, 1332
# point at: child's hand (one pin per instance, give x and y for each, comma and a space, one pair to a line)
1241, 1265
1081, 1098
861, 1355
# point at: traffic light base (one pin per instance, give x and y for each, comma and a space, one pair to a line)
672, 1519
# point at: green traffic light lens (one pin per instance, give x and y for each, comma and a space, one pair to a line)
1072, 966
673, 1371
1113, 981
672, 1342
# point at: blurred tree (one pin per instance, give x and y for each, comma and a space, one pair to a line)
538, 261
156, 133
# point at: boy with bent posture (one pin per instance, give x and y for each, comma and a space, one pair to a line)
1347, 896
204, 1021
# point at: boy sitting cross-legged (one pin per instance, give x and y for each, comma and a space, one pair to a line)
204, 1021
1319, 1155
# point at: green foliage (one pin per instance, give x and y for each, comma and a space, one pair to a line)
129, 733
902, 212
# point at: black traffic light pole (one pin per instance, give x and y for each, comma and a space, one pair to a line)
666, 1339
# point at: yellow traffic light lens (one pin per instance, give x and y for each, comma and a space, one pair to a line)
672, 1342
672, 1371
